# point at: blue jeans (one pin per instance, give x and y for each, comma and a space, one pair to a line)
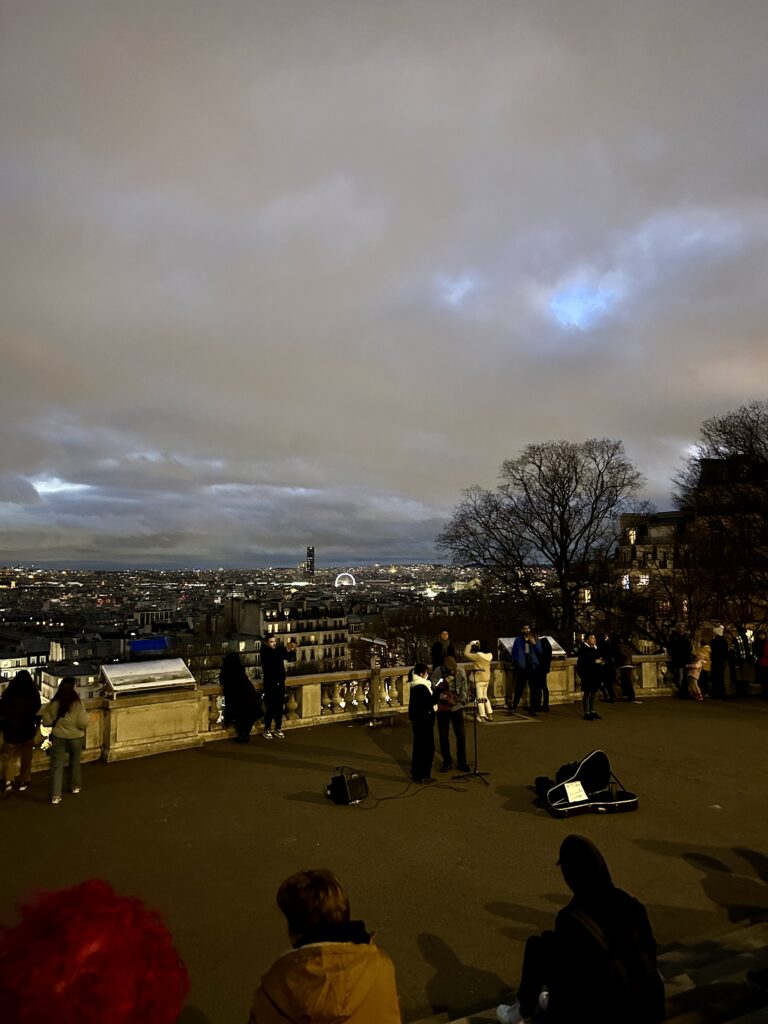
59, 750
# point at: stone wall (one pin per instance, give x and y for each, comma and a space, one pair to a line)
138, 726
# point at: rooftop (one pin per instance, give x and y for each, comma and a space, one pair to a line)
451, 877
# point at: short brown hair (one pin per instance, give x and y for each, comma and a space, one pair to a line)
312, 898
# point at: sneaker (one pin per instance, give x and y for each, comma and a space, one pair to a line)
23, 786
595, 716
55, 799
509, 1013
7, 786
279, 734
76, 789
445, 768
267, 734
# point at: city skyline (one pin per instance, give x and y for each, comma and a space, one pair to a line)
278, 275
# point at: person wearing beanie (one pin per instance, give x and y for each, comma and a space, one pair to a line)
598, 966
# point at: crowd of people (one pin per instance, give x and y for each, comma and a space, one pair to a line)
86, 954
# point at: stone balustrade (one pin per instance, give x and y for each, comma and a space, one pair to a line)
141, 725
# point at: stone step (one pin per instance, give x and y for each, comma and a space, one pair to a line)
703, 978
703, 949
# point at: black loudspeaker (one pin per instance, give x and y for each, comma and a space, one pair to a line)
347, 786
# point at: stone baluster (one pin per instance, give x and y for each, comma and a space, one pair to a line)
394, 691
291, 704
326, 705
337, 703
383, 692
215, 712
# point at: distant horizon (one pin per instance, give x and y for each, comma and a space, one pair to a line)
66, 566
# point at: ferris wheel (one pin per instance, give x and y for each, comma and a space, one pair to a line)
345, 579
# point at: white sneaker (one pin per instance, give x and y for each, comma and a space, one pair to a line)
267, 734
279, 734
507, 1014
55, 799
76, 789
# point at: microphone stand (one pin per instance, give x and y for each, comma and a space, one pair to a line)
475, 773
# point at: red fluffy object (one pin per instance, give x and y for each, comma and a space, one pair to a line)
88, 956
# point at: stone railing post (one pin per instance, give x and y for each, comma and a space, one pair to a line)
374, 690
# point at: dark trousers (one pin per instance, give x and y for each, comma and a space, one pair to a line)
626, 674
606, 680
446, 719
532, 679
243, 725
274, 701
539, 967
423, 749
717, 680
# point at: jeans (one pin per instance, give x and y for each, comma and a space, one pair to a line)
60, 748
588, 702
446, 719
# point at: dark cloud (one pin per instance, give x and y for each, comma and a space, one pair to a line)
280, 273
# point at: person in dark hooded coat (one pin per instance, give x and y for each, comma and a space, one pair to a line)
19, 708
598, 966
241, 705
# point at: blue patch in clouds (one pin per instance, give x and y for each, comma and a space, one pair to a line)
580, 306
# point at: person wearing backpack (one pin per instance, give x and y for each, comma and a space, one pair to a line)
598, 966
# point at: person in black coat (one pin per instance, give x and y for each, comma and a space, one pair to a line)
273, 658
241, 705
680, 651
545, 664
442, 648
421, 711
19, 707
589, 666
599, 963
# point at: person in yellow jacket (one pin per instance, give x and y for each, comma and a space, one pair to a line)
334, 972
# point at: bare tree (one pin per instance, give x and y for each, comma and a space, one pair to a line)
724, 485
555, 510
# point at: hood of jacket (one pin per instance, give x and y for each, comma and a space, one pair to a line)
324, 982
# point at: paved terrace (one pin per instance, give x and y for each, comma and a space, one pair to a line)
452, 877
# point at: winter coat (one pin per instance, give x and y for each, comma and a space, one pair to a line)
273, 661
585, 964
240, 700
526, 654
441, 651
587, 668
330, 982
421, 701
18, 713
482, 662
71, 726
679, 648
459, 689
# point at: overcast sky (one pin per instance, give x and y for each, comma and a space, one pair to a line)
281, 272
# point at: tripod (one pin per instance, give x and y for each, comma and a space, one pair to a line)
476, 773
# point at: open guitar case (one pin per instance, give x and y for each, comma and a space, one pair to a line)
585, 787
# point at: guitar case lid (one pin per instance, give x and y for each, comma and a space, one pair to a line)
588, 786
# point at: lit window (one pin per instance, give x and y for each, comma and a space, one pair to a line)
625, 581
632, 535
643, 579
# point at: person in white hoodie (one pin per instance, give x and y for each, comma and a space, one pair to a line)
479, 653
